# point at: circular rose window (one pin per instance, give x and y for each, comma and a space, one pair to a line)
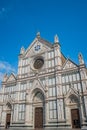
38, 63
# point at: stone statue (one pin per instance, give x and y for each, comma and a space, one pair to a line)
56, 39
81, 61
38, 34
22, 50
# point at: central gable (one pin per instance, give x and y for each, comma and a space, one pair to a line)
38, 46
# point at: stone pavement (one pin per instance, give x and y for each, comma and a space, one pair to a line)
22, 128
41, 129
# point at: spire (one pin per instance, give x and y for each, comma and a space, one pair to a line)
56, 39
38, 34
5, 77
22, 50
81, 60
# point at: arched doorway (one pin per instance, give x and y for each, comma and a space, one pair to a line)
38, 117
8, 115
75, 118
38, 104
75, 115
73, 108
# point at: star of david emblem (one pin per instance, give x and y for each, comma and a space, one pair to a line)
37, 47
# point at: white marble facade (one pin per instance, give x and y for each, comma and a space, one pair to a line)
47, 79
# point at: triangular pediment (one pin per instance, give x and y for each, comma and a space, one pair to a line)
72, 96
11, 78
36, 87
69, 64
37, 84
38, 46
72, 91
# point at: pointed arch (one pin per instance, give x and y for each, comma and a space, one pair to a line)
72, 97
37, 92
37, 87
38, 97
8, 104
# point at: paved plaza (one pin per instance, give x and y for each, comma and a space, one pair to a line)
42, 129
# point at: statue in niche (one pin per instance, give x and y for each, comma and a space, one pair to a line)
9, 105
60, 111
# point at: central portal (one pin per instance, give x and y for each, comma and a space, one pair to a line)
8, 118
38, 117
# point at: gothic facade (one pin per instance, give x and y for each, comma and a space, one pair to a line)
49, 89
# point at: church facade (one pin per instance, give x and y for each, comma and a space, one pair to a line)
48, 91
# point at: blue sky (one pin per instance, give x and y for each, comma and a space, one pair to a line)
20, 20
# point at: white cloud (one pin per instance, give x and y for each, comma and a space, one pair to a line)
2, 10
1, 76
5, 67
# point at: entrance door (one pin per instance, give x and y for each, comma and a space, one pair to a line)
39, 117
8, 118
75, 118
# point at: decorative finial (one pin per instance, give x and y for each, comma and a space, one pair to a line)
22, 50
81, 61
38, 34
56, 39
5, 77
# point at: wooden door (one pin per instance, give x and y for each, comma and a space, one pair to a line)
8, 118
75, 118
39, 117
